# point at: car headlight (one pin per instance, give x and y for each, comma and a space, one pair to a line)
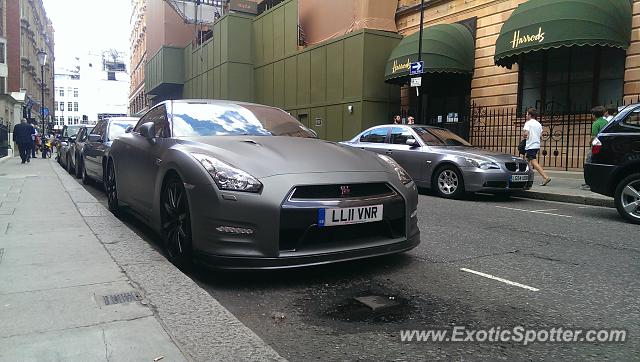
226, 176
402, 174
483, 165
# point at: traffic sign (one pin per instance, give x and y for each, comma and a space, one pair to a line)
45, 111
416, 82
416, 68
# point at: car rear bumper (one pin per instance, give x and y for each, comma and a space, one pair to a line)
598, 177
282, 262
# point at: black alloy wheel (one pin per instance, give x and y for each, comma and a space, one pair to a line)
111, 189
176, 223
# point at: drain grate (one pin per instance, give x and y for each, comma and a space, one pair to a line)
121, 298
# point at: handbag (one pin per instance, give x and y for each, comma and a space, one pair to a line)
521, 147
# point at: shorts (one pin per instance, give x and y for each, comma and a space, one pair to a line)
531, 154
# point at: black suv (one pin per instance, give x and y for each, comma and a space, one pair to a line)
614, 167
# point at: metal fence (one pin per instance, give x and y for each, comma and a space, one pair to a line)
565, 141
4, 140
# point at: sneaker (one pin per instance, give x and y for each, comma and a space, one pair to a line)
546, 182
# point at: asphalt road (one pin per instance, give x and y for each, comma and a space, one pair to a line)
560, 265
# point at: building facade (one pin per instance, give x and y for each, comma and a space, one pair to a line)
138, 57
104, 85
67, 94
25, 29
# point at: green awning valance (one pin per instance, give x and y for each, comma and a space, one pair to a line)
545, 24
445, 48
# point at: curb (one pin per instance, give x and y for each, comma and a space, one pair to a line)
572, 199
4, 159
201, 327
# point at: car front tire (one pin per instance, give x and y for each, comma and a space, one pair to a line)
79, 166
448, 183
627, 198
176, 222
111, 188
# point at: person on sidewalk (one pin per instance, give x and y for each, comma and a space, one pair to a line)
411, 120
531, 132
22, 137
397, 119
610, 112
599, 121
34, 136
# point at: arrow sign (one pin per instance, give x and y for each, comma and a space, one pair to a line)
416, 68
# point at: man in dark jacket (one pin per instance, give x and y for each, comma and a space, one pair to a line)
22, 137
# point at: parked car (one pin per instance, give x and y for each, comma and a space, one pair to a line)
96, 148
614, 166
240, 185
76, 151
438, 159
68, 135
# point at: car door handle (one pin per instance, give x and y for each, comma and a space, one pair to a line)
389, 152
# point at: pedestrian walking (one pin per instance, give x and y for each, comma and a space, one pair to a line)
531, 132
411, 120
22, 137
610, 112
599, 121
34, 137
397, 119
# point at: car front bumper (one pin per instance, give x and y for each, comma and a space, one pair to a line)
478, 180
277, 232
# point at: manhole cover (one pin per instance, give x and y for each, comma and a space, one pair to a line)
119, 298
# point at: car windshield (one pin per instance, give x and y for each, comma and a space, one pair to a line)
71, 131
117, 128
202, 119
445, 137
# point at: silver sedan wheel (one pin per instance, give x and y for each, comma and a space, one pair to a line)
630, 199
448, 182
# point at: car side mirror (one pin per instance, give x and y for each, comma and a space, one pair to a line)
95, 138
411, 142
148, 131
129, 129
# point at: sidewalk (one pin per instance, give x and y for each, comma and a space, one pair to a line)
77, 284
565, 186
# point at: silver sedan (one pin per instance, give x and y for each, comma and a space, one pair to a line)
440, 160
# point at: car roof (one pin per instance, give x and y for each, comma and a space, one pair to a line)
407, 125
220, 102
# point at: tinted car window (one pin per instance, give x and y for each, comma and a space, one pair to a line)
203, 119
71, 131
100, 128
448, 138
428, 138
377, 135
400, 135
118, 128
630, 123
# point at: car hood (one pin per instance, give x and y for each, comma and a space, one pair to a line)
264, 156
477, 153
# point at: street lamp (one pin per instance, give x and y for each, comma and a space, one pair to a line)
42, 59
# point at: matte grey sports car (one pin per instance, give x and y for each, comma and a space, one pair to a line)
240, 185
438, 159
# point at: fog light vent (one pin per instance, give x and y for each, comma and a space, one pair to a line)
234, 230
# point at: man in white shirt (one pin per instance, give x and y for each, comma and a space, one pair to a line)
532, 131
610, 112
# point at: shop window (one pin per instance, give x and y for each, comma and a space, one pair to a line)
571, 80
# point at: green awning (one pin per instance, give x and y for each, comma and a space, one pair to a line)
545, 24
446, 48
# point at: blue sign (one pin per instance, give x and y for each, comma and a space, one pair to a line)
416, 68
45, 111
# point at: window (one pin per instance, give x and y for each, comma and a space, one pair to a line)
69, 120
111, 75
75, 92
3, 85
2, 52
400, 135
55, 106
100, 129
630, 123
76, 120
69, 91
377, 135
571, 79
75, 106
62, 106
61, 92
69, 106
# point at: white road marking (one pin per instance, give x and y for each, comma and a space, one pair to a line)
532, 211
547, 210
489, 276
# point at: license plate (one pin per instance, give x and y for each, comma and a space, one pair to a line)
349, 215
519, 178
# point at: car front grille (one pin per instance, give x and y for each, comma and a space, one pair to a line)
319, 192
516, 166
299, 230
